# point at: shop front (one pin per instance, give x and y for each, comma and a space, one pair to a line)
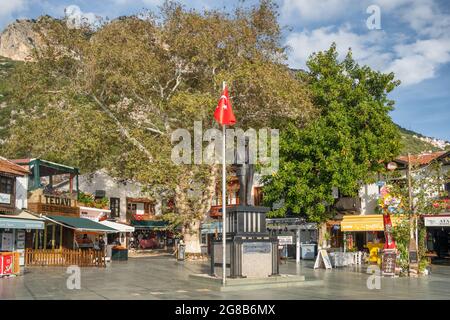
15, 233
151, 234
296, 237
365, 233
122, 235
438, 236
87, 234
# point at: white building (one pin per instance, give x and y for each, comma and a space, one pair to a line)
124, 196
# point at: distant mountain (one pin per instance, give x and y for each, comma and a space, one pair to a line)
414, 142
19, 39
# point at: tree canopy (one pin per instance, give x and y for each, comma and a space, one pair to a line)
343, 147
111, 97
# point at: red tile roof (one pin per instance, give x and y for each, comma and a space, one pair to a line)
21, 161
421, 159
12, 168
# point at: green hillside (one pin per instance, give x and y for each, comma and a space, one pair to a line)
6, 66
414, 145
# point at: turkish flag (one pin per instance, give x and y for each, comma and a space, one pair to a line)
389, 242
224, 114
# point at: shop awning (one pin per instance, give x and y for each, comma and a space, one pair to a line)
149, 224
120, 227
80, 224
23, 220
371, 222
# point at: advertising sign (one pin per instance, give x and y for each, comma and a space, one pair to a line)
5, 198
389, 262
6, 264
7, 241
94, 214
389, 243
284, 240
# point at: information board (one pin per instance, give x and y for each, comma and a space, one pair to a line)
323, 259
284, 240
389, 262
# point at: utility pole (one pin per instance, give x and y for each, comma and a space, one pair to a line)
413, 245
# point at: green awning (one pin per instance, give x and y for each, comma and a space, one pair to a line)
80, 224
149, 224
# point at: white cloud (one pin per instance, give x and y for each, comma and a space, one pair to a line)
364, 47
411, 61
314, 10
76, 17
10, 7
420, 60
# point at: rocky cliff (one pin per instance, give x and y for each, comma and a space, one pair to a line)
18, 40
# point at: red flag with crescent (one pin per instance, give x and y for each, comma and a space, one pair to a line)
224, 113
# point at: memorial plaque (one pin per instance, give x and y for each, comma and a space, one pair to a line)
257, 247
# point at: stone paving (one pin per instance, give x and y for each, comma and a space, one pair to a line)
165, 278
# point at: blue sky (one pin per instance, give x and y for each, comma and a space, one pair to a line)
413, 42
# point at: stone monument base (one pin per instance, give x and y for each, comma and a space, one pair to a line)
238, 284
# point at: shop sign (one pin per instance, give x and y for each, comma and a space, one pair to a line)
5, 198
284, 240
438, 221
59, 201
94, 214
50, 204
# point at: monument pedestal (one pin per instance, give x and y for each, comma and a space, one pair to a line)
251, 252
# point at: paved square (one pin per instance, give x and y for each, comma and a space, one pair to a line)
165, 278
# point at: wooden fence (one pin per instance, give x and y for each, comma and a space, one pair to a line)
65, 257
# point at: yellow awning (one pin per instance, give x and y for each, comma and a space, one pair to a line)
370, 222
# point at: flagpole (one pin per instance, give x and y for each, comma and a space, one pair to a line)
224, 205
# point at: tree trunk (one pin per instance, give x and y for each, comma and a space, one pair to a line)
192, 237
194, 212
